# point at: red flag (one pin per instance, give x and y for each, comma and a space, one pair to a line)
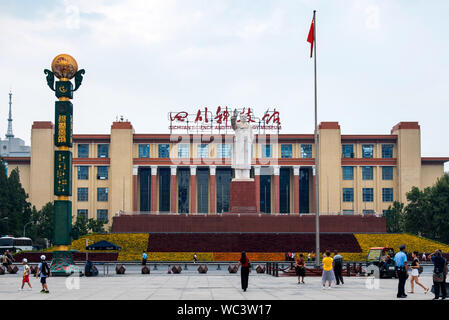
311, 36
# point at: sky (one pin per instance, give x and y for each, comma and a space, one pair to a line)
378, 62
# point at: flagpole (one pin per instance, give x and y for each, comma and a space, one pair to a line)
317, 199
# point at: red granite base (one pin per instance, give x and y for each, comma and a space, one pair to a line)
243, 197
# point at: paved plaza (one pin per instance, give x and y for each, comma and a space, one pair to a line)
214, 286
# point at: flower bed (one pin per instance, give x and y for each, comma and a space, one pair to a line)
413, 243
132, 244
227, 247
179, 256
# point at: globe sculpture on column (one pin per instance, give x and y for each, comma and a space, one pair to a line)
65, 68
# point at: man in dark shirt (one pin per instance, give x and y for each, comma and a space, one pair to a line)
439, 267
338, 268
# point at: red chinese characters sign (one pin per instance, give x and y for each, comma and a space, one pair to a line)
207, 119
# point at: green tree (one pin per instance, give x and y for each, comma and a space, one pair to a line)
394, 217
85, 226
42, 227
3, 199
19, 209
80, 228
96, 226
13, 203
427, 213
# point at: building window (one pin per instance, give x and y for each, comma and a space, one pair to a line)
102, 194
183, 150
387, 173
203, 151
266, 151
368, 195
164, 151
369, 212
348, 212
348, 195
83, 173
82, 214
347, 151
306, 151
144, 150
367, 151
103, 151
286, 151
83, 194
102, 173
224, 151
367, 173
348, 173
102, 214
387, 194
83, 151
387, 151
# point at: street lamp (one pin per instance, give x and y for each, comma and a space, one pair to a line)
87, 251
25, 227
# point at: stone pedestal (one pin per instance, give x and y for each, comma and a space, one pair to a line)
243, 196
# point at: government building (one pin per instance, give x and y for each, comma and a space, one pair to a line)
179, 174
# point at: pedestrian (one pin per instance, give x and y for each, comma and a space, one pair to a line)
313, 256
5, 260
439, 274
289, 255
144, 258
328, 274
293, 256
43, 271
400, 259
308, 256
300, 268
424, 257
10, 257
338, 268
244, 273
26, 274
195, 258
415, 274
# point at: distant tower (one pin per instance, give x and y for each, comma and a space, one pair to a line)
9, 134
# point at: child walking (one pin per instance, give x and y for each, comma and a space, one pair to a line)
26, 274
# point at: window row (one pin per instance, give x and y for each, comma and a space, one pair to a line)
223, 151
83, 194
102, 172
367, 173
347, 151
368, 194
102, 150
102, 214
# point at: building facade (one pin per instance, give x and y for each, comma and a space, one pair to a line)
191, 173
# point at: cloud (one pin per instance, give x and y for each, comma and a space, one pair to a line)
255, 28
372, 17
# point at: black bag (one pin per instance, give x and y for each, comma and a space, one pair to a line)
420, 269
438, 277
45, 269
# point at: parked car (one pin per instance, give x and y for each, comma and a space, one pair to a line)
382, 257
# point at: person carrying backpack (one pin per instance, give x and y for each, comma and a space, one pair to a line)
43, 271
